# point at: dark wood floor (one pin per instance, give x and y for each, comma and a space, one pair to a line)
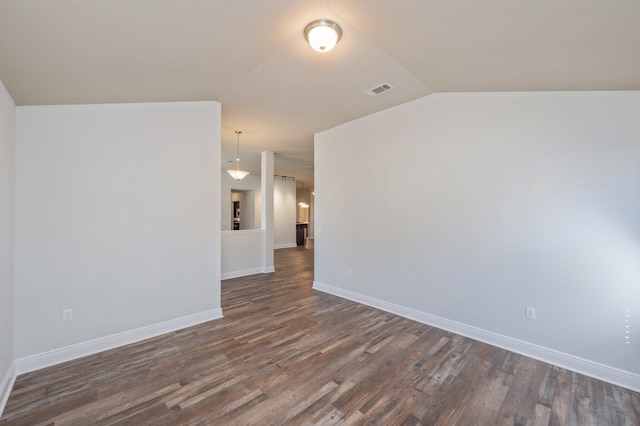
286, 354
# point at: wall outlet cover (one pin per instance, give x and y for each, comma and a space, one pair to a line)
530, 312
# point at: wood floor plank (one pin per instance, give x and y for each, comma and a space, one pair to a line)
522, 398
286, 354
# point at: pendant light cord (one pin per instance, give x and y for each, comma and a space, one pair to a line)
238, 150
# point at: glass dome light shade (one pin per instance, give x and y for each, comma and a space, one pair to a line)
322, 35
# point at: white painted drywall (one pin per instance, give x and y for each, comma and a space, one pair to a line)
242, 253
266, 187
312, 215
7, 174
249, 183
473, 206
117, 218
284, 215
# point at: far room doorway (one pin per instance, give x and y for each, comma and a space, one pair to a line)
242, 209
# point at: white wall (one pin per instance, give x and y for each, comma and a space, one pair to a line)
242, 253
312, 210
7, 174
117, 218
267, 220
284, 216
249, 183
470, 207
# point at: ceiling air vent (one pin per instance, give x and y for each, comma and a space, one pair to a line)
378, 90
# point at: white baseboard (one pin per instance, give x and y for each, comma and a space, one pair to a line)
245, 272
68, 353
288, 245
589, 368
6, 385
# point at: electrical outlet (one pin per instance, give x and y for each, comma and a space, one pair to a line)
348, 272
530, 312
67, 315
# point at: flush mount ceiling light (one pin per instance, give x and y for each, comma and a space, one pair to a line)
238, 174
322, 35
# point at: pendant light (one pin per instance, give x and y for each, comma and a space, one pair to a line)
238, 174
302, 204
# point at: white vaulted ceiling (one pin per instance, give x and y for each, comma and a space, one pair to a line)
251, 56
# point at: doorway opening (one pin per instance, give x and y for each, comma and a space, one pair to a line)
242, 209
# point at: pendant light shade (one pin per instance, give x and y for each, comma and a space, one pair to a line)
322, 35
236, 173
